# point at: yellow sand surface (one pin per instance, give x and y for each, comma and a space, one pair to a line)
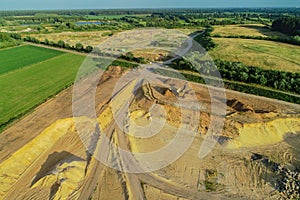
267, 133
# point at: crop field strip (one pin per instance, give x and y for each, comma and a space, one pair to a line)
266, 54
247, 30
19, 57
28, 87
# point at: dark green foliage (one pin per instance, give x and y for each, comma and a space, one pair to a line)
31, 39
61, 44
88, 49
9, 36
9, 39
287, 25
79, 47
205, 40
130, 57
236, 71
124, 64
284, 81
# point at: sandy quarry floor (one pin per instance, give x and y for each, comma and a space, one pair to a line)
43, 157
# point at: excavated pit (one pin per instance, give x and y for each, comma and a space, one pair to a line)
55, 164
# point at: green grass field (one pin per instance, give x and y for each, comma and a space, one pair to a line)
260, 53
15, 58
23, 89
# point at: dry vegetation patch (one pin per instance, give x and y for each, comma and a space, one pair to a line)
246, 30
266, 54
92, 38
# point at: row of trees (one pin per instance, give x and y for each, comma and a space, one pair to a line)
130, 57
80, 48
241, 87
287, 25
184, 13
237, 86
236, 71
205, 39
61, 44
9, 39
9, 36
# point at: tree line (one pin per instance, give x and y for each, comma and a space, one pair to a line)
237, 71
129, 56
61, 44
287, 25
9, 39
206, 12
205, 39
237, 86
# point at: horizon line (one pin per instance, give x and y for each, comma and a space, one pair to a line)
153, 8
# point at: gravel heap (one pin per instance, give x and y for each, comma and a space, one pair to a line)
287, 180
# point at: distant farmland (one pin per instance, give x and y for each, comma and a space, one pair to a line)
32, 84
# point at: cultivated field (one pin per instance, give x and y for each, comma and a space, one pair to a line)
246, 30
29, 86
265, 54
15, 58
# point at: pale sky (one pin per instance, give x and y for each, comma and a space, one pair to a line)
105, 4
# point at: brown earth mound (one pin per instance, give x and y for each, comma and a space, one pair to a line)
239, 106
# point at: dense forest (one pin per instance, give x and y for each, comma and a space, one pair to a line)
287, 25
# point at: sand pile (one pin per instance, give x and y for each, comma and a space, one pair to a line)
265, 133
